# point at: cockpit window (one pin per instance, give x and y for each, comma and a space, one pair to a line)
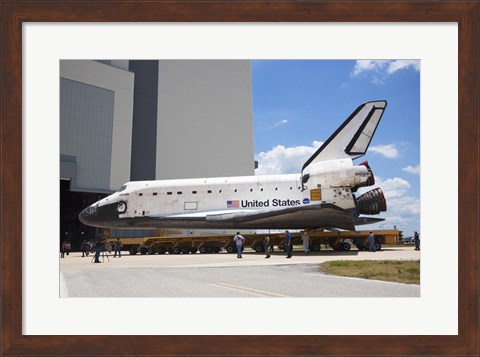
123, 188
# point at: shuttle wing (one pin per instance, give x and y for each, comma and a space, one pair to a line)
352, 138
308, 216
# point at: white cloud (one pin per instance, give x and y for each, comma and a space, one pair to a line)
368, 65
395, 66
389, 151
394, 187
284, 160
404, 212
412, 169
281, 122
380, 70
407, 205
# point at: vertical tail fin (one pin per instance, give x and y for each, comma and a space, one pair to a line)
352, 138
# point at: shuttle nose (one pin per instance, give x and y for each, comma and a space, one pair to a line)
88, 215
97, 215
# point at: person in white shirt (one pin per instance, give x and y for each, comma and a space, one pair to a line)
306, 242
266, 242
239, 240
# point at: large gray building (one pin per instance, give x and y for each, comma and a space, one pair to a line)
131, 120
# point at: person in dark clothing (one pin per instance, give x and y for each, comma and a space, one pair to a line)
84, 248
371, 242
416, 239
99, 247
118, 248
288, 244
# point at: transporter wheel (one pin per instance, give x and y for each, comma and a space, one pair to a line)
161, 250
346, 247
185, 250
259, 248
209, 250
177, 250
378, 246
193, 250
203, 250
133, 251
169, 250
231, 249
152, 250
316, 247
143, 250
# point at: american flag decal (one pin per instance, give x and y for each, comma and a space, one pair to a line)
233, 204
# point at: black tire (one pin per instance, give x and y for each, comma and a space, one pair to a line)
209, 250
378, 246
346, 247
177, 250
259, 248
133, 251
316, 247
203, 250
231, 249
193, 250
185, 250
143, 250
152, 250
161, 250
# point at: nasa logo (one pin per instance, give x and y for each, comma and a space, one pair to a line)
306, 201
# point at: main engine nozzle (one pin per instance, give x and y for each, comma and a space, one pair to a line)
372, 202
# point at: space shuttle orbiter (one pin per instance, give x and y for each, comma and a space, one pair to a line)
323, 194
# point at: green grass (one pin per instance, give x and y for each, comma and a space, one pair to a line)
399, 271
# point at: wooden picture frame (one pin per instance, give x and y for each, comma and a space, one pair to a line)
16, 12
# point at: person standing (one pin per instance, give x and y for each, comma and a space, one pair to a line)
416, 239
266, 242
118, 248
100, 246
288, 242
306, 242
371, 242
63, 248
84, 248
239, 240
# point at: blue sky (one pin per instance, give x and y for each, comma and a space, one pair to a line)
298, 104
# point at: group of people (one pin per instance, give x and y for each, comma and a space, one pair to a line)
240, 241
289, 246
372, 247
98, 247
101, 247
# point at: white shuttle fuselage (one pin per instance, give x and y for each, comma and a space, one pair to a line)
322, 195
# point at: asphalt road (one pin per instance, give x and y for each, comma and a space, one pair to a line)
223, 275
